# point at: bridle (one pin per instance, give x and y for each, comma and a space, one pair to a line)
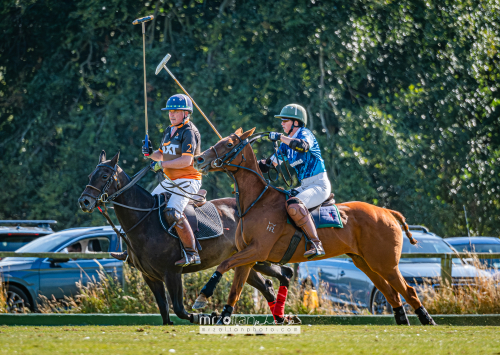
102, 198
226, 160
103, 193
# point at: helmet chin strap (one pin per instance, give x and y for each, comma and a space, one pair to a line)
183, 121
291, 129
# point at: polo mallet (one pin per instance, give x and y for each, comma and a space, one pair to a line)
142, 21
163, 64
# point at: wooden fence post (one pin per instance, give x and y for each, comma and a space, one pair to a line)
446, 269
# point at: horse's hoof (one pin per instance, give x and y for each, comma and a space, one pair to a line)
292, 320
201, 302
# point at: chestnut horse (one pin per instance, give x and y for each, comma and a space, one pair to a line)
372, 236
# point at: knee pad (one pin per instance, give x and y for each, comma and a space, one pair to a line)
295, 207
172, 216
297, 211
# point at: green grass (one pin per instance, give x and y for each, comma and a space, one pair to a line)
313, 340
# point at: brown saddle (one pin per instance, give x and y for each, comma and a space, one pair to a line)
199, 201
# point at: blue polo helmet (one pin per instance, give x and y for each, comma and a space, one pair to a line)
179, 102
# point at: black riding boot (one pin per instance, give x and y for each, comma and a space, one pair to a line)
120, 256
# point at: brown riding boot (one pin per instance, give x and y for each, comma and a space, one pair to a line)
186, 236
300, 215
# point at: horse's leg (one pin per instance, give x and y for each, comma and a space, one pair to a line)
161, 298
240, 277
383, 286
173, 280
282, 273
396, 280
248, 256
264, 286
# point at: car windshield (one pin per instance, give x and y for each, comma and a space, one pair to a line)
482, 248
424, 245
478, 248
14, 241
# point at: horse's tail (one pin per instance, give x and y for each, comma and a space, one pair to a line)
402, 220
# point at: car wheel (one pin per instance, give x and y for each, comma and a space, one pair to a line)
379, 303
17, 301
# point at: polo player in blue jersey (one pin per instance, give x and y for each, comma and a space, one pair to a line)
303, 153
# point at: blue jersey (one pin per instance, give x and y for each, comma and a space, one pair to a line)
306, 164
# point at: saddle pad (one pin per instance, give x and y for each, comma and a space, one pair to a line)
324, 217
209, 222
327, 216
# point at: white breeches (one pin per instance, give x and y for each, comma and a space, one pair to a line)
176, 201
315, 190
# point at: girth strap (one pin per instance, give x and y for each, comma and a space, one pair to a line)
297, 236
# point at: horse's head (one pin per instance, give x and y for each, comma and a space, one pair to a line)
226, 150
104, 181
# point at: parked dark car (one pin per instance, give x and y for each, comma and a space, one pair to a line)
478, 245
347, 285
16, 233
28, 277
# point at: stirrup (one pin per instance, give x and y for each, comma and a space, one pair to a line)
319, 252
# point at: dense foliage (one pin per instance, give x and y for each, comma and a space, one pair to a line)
402, 95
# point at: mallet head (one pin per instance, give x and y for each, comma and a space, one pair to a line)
162, 63
143, 19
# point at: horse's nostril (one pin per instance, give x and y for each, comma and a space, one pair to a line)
86, 202
200, 160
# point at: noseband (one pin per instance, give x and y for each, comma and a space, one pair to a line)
220, 162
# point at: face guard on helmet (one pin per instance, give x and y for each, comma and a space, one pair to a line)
179, 102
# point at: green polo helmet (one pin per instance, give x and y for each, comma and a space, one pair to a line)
293, 112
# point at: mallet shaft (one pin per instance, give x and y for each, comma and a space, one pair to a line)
199, 109
144, 65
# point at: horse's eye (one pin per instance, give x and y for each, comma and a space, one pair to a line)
229, 145
105, 177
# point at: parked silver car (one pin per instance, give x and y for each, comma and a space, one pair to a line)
347, 285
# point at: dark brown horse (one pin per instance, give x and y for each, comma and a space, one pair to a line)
372, 236
154, 251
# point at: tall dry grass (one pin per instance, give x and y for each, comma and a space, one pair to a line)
481, 296
3, 296
106, 295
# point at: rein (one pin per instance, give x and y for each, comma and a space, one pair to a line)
226, 160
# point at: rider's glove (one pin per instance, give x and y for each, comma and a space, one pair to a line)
275, 136
156, 166
147, 150
265, 165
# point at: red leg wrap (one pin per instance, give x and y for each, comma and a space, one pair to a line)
271, 306
279, 308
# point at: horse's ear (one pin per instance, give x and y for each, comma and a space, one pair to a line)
114, 161
102, 157
239, 131
247, 134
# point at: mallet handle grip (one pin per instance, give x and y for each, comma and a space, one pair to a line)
143, 19
199, 109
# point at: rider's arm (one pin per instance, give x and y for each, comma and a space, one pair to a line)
179, 163
299, 145
282, 151
156, 156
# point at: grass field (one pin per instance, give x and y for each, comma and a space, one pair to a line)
313, 340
